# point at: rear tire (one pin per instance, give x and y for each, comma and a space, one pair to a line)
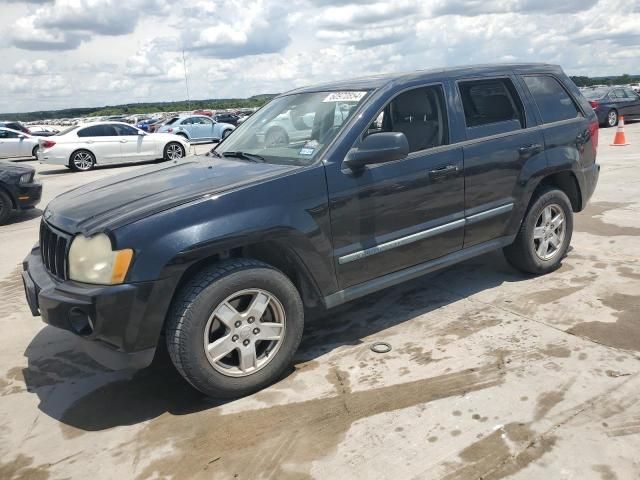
5, 207
226, 133
545, 234
34, 152
210, 316
82, 161
612, 118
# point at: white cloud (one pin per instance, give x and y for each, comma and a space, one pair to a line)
97, 52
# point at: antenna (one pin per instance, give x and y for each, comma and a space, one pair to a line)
186, 80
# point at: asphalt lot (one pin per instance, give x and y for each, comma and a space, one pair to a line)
493, 374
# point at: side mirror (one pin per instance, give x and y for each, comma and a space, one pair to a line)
22, 135
378, 148
141, 133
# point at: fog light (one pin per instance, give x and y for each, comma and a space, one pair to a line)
80, 322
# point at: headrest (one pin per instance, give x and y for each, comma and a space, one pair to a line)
415, 103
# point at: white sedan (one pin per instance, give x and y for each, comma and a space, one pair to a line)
101, 143
17, 144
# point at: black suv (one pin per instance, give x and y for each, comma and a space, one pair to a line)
381, 180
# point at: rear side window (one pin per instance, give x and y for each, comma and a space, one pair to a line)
97, 131
491, 101
554, 103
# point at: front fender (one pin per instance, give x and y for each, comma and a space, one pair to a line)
291, 210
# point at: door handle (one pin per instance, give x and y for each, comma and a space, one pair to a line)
443, 171
89, 141
123, 140
530, 149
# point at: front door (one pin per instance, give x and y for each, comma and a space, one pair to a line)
398, 214
134, 147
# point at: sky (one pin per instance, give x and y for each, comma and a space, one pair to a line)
86, 53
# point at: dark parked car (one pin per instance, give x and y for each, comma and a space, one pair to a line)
19, 126
226, 118
18, 189
400, 175
610, 103
43, 131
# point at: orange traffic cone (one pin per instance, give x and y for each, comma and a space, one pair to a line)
620, 140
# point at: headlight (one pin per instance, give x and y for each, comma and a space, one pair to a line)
25, 177
92, 260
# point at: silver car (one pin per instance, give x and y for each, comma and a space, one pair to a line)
17, 144
197, 128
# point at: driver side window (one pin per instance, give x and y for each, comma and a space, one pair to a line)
420, 114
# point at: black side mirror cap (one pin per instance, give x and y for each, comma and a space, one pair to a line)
378, 148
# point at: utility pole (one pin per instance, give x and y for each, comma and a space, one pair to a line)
186, 80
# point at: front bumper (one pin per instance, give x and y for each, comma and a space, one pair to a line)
28, 195
117, 325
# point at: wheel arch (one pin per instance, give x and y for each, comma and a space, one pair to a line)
565, 181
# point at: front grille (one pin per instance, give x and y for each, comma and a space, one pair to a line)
54, 246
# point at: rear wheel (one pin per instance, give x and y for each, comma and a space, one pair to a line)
34, 152
82, 161
612, 118
234, 327
173, 151
545, 234
226, 133
5, 207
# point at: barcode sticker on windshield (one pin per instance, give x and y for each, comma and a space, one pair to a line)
344, 97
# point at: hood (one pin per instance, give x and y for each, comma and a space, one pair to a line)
11, 169
123, 199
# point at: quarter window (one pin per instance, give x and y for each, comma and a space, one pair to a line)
8, 134
554, 103
420, 114
492, 101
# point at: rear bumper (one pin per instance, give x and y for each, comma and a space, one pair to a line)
588, 182
118, 325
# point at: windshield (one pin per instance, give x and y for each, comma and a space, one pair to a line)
595, 93
294, 129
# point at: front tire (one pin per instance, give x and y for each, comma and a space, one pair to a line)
234, 328
82, 161
545, 234
173, 151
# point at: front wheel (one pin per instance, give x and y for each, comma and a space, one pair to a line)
173, 151
234, 327
545, 234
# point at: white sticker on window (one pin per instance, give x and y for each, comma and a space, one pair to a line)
306, 151
344, 97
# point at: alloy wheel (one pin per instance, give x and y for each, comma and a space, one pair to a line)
174, 151
549, 232
244, 332
83, 161
612, 118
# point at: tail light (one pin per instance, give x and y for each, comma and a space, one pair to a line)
594, 128
594, 104
47, 143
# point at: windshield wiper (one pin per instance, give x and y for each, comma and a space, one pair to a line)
213, 153
252, 157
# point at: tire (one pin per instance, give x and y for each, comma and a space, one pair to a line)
276, 136
526, 253
82, 161
612, 118
34, 152
226, 133
173, 151
194, 311
6, 205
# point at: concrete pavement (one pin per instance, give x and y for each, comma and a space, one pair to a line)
492, 374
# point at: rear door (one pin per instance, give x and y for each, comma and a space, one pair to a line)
634, 101
502, 139
103, 141
564, 124
401, 213
10, 145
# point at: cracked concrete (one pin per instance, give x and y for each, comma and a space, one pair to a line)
492, 375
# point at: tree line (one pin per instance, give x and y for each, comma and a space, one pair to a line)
624, 79
142, 108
